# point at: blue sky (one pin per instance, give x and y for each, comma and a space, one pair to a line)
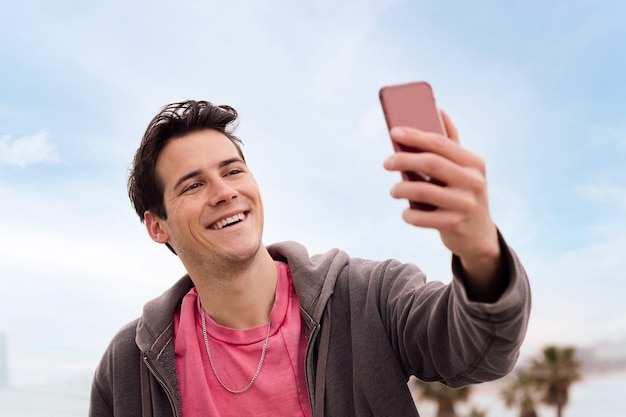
538, 89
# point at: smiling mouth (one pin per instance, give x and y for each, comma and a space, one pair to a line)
228, 221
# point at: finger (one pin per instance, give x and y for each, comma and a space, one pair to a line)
420, 192
438, 219
435, 143
422, 140
444, 170
450, 129
443, 197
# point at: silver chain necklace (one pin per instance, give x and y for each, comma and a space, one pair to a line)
208, 351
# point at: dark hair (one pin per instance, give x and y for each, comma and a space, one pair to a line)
175, 120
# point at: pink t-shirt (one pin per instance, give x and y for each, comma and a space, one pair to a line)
280, 388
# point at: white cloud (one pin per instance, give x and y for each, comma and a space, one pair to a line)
27, 150
612, 194
578, 295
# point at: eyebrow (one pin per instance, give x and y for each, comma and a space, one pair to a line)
230, 161
197, 172
186, 177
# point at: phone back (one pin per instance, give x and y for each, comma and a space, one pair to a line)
411, 105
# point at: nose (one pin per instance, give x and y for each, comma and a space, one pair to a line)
222, 192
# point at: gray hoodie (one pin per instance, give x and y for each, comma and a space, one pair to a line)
369, 326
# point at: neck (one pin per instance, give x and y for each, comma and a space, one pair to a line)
240, 297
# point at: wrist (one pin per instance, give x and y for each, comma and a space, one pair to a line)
485, 276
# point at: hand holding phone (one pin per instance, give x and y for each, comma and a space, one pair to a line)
412, 105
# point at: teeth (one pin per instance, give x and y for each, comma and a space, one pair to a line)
227, 221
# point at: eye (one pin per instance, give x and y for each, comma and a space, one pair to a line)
234, 171
192, 186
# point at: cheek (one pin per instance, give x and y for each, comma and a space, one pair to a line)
181, 214
251, 189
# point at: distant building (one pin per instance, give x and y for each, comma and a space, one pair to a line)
4, 362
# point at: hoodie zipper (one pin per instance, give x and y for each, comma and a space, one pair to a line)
309, 359
168, 392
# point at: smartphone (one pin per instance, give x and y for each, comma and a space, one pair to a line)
412, 105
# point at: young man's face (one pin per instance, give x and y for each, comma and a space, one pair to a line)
213, 205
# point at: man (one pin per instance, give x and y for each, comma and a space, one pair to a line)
273, 331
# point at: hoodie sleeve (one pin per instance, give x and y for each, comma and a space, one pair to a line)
441, 335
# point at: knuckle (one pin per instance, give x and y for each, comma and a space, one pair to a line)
432, 163
455, 223
476, 181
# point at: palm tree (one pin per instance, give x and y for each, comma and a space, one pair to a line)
475, 412
554, 373
445, 397
522, 392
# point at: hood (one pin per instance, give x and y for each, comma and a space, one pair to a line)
156, 326
314, 276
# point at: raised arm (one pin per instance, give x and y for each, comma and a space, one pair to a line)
462, 217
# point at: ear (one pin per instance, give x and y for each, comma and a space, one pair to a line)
155, 228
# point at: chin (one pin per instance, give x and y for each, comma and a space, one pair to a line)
246, 252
